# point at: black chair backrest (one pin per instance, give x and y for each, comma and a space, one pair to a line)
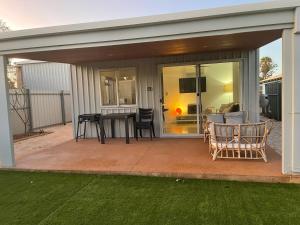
146, 115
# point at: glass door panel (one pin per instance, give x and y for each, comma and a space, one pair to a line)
222, 88
179, 100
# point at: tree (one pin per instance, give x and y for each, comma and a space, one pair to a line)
20, 104
11, 84
12, 76
3, 26
267, 67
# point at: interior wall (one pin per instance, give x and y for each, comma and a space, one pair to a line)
86, 93
236, 82
217, 76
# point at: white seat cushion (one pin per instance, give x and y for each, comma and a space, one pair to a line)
236, 146
234, 118
215, 118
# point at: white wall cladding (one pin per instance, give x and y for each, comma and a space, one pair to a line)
86, 84
46, 76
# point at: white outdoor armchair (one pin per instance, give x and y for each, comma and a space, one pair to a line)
241, 141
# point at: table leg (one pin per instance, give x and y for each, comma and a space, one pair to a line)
127, 130
77, 133
112, 124
97, 130
134, 127
84, 132
102, 131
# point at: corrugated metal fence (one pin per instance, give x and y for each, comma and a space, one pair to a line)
273, 91
36, 109
46, 76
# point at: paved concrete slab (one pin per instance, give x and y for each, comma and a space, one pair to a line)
160, 157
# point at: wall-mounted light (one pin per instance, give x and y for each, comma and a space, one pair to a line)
228, 88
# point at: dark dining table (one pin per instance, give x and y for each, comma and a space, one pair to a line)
117, 116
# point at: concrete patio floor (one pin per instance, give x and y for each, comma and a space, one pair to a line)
182, 158
162, 157
57, 135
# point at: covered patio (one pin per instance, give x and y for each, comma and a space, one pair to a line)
166, 157
231, 34
180, 158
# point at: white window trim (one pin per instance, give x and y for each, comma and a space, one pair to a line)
116, 73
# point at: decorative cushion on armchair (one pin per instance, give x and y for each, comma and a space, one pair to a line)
235, 108
231, 107
225, 107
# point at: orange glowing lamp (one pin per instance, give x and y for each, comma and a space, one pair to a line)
178, 111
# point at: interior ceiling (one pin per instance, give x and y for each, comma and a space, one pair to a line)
240, 41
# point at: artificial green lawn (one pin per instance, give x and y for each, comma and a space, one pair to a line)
70, 199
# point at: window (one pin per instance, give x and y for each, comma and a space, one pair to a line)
108, 88
118, 87
126, 87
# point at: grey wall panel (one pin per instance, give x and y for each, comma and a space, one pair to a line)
86, 84
46, 76
46, 109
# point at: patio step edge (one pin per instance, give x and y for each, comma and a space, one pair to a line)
205, 176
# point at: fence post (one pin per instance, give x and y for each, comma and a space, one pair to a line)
29, 108
63, 109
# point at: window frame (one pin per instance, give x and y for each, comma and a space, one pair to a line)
116, 72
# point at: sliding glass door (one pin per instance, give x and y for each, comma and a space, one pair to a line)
222, 87
191, 91
180, 104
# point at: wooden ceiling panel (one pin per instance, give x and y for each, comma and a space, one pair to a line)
241, 41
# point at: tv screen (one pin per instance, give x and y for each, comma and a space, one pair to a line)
188, 85
203, 84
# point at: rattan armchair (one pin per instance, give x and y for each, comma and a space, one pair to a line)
242, 141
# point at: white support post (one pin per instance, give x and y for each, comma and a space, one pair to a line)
287, 107
250, 85
291, 101
296, 96
296, 103
7, 158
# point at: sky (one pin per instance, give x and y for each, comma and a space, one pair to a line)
25, 14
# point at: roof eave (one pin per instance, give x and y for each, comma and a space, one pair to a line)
152, 20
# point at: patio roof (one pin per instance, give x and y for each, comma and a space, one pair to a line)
229, 28
242, 41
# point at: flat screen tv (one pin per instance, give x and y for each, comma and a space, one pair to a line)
188, 85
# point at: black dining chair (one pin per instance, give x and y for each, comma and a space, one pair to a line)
145, 122
84, 119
